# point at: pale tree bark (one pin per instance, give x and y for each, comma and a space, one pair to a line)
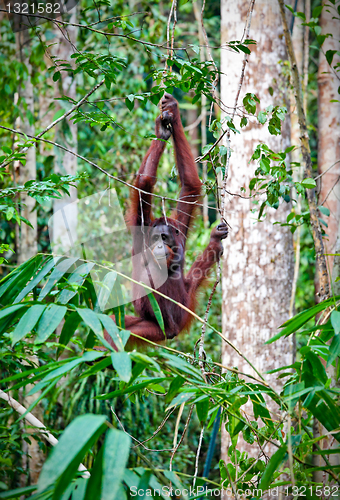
258, 257
329, 131
26, 242
321, 266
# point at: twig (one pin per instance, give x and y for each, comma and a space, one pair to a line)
178, 419
198, 456
327, 169
161, 425
31, 419
200, 341
182, 436
140, 443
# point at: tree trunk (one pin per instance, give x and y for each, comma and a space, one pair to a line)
258, 257
66, 135
328, 155
329, 132
26, 243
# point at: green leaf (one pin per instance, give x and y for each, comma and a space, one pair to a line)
56, 76
329, 56
244, 121
119, 337
33, 283
157, 311
58, 114
76, 279
273, 465
121, 362
63, 462
319, 371
49, 321
116, 453
18, 492
317, 11
87, 357
308, 183
56, 274
27, 322
295, 323
71, 323
91, 319
324, 210
6, 311
334, 350
174, 387
183, 397
262, 117
132, 388
10, 213
202, 408
335, 320
105, 290
129, 104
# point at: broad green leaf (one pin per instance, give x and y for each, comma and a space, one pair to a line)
157, 311
324, 210
34, 282
87, 357
56, 274
175, 385
202, 408
49, 321
132, 388
76, 279
6, 311
105, 290
15, 281
295, 323
183, 397
319, 371
262, 117
116, 453
112, 329
273, 465
182, 366
71, 323
308, 183
335, 320
91, 319
27, 322
18, 492
121, 362
334, 350
63, 462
